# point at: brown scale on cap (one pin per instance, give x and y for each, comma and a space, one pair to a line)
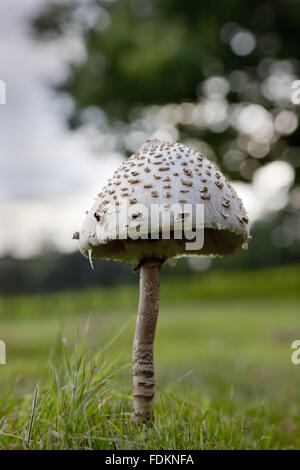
133, 181
204, 189
186, 183
205, 196
164, 168
97, 216
219, 184
146, 186
187, 172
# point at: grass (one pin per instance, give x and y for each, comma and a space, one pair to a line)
224, 375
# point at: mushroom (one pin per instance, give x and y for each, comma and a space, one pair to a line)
225, 229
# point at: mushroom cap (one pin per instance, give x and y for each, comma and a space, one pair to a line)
163, 173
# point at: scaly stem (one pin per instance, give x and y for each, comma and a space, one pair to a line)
143, 367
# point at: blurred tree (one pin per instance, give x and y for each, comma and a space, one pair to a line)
214, 74
217, 75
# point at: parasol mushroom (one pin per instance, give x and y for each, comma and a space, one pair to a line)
166, 175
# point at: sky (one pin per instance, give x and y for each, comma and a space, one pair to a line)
48, 174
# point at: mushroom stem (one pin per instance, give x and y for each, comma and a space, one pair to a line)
143, 367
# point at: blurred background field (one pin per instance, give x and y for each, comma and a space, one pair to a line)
223, 340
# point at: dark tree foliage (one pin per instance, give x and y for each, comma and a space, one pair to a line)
158, 52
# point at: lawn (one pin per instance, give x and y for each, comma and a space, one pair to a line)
225, 379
